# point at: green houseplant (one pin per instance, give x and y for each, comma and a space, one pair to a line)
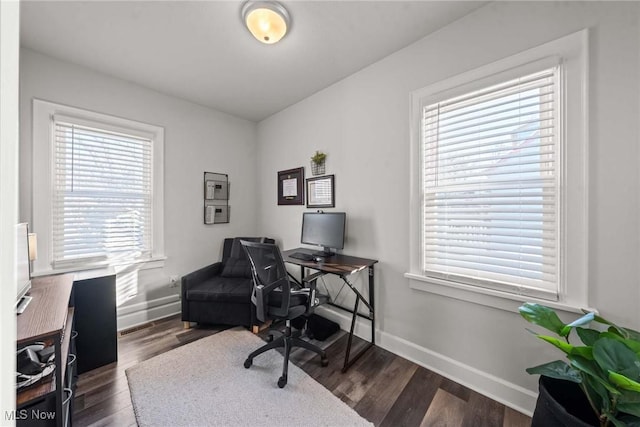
605, 365
317, 163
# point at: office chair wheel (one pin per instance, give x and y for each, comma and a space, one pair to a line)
324, 362
248, 363
282, 381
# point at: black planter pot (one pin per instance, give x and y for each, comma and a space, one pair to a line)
562, 404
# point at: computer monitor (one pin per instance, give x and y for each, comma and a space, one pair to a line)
325, 229
22, 267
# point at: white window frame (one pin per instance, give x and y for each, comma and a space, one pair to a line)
42, 170
571, 51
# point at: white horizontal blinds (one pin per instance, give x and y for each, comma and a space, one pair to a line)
102, 194
490, 190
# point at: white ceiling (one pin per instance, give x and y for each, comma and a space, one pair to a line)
200, 50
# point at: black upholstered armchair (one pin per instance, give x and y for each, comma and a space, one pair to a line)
220, 293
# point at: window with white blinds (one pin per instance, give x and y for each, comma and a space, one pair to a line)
102, 201
490, 186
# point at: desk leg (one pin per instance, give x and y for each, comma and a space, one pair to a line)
353, 324
59, 379
370, 305
372, 311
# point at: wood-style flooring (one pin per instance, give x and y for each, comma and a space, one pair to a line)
382, 387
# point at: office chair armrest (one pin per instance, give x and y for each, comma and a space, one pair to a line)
313, 277
310, 283
261, 293
260, 303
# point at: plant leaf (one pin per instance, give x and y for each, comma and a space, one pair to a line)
630, 420
616, 422
624, 382
557, 369
585, 352
623, 332
593, 371
612, 355
597, 392
632, 344
629, 403
587, 318
588, 336
634, 335
541, 316
561, 344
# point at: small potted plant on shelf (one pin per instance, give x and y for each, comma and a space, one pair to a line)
600, 383
318, 162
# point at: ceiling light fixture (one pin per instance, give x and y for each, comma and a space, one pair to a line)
268, 21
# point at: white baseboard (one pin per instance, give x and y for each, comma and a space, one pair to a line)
134, 315
496, 388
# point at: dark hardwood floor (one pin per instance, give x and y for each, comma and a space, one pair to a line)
382, 387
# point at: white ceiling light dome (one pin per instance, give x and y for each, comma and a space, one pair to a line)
268, 21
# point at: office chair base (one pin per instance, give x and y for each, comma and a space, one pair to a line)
287, 341
324, 361
282, 381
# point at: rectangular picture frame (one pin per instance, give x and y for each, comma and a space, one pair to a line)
320, 192
291, 186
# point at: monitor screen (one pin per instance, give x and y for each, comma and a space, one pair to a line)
22, 267
323, 229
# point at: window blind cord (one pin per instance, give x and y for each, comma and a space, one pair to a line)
73, 147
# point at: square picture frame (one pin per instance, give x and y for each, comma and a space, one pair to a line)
291, 187
321, 192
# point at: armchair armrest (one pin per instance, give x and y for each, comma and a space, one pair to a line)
192, 279
200, 275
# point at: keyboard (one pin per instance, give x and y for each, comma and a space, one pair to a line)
302, 256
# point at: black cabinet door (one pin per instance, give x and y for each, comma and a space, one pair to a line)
95, 320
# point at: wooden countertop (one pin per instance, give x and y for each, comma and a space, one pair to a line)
46, 315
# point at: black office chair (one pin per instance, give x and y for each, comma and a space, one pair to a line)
276, 298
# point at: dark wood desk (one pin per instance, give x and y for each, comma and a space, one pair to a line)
48, 319
343, 266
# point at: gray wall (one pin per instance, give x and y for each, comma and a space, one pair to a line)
197, 139
362, 123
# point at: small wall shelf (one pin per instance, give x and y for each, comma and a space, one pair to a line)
216, 198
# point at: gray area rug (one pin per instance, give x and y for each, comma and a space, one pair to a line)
204, 383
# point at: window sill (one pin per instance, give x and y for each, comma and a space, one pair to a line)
487, 297
146, 264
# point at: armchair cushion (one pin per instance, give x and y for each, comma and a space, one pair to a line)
236, 267
221, 289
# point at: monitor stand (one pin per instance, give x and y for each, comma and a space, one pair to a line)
22, 305
324, 253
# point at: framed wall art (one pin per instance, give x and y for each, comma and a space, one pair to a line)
291, 187
320, 192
